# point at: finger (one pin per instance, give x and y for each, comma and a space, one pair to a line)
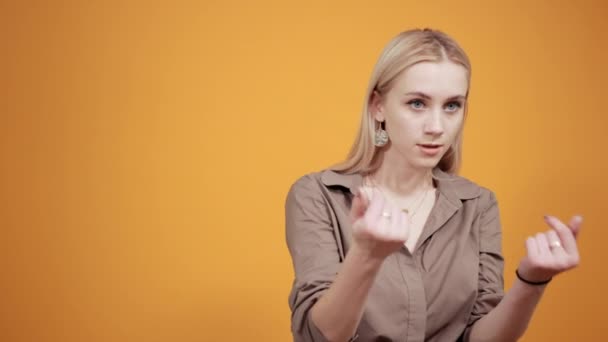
375, 207
359, 205
553, 238
366, 192
575, 225
558, 251
382, 227
543, 245
382, 224
396, 224
358, 225
566, 236
532, 247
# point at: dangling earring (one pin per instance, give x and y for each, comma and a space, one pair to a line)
380, 136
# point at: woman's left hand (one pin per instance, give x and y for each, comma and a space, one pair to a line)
551, 252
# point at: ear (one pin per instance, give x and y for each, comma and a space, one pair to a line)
376, 108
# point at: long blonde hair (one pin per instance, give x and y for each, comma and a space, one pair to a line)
403, 51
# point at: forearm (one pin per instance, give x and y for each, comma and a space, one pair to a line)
509, 319
339, 310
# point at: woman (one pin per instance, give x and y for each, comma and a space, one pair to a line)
392, 245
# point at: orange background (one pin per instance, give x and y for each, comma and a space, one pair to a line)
147, 148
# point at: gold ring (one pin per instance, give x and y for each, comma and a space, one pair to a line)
555, 244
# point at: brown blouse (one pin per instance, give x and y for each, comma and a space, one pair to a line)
453, 278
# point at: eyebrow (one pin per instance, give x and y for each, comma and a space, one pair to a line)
425, 96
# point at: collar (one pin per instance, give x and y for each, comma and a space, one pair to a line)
455, 188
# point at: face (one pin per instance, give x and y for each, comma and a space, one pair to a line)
423, 112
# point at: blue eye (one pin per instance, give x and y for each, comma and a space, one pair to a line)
453, 106
416, 104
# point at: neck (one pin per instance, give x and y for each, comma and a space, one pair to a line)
402, 179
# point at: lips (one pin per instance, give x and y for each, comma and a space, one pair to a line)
430, 149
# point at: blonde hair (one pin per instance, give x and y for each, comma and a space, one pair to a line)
403, 51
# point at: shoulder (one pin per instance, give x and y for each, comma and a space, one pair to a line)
458, 188
474, 190
306, 188
461, 187
308, 199
327, 179
486, 198
309, 181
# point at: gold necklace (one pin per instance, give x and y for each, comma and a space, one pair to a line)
419, 205
405, 210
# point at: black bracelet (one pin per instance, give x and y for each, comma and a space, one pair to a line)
535, 283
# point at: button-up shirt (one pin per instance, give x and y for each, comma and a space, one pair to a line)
453, 277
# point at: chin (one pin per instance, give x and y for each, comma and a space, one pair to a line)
429, 162
426, 164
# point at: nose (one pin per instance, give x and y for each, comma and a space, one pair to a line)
433, 125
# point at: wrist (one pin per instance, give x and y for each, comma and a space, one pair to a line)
534, 281
364, 257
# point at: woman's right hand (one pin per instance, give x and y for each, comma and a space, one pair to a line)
379, 228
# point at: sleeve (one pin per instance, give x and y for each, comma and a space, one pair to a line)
491, 264
314, 253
